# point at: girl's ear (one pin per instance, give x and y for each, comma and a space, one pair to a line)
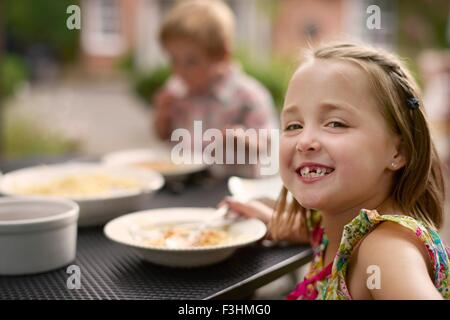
398, 159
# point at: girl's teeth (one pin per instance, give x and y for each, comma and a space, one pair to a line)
320, 172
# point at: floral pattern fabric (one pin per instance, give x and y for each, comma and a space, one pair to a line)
328, 282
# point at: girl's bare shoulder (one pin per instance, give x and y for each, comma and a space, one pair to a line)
400, 259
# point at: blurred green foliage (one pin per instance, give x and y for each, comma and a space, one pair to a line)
422, 24
13, 73
146, 85
126, 63
30, 22
42, 21
21, 137
273, 74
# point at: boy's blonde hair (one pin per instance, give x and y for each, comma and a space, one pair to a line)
208, 23
419, 186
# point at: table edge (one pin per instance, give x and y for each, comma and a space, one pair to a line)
245, 288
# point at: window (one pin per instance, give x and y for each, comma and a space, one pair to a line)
101, 31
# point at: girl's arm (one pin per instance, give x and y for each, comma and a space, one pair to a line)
400, 260
263, 210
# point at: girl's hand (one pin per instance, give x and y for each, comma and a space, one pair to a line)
251, 209
264, 211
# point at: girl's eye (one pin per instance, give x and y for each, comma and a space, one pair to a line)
337, 124
293, 126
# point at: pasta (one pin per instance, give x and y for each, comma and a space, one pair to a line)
179, 237
160, 166
95, 184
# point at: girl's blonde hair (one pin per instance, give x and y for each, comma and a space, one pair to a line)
419, 186
208, 23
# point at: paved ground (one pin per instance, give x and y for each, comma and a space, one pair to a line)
102, 116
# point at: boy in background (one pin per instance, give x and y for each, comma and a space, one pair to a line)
205, 84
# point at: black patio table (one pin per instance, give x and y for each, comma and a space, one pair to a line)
111, 271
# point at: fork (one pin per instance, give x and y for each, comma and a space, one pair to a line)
223, 217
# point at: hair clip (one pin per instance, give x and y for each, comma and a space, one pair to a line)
413, 103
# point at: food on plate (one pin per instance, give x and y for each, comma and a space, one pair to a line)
158, 165
174, 236
79, 185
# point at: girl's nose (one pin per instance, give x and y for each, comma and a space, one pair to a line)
307, 143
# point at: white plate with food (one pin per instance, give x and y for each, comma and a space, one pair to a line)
101, 192
249, 189
183, 237
157, 159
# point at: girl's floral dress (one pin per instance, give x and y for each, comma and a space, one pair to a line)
328, 282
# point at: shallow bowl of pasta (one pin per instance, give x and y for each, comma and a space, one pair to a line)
101, 192
157, 159
182, 237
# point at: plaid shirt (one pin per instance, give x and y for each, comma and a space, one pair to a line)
235, 99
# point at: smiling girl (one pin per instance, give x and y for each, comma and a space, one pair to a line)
357, 157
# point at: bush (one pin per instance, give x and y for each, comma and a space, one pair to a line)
22, 138
274, 75
13, 73
29, 22
147, 85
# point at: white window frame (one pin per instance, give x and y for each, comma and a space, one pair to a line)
94, 40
